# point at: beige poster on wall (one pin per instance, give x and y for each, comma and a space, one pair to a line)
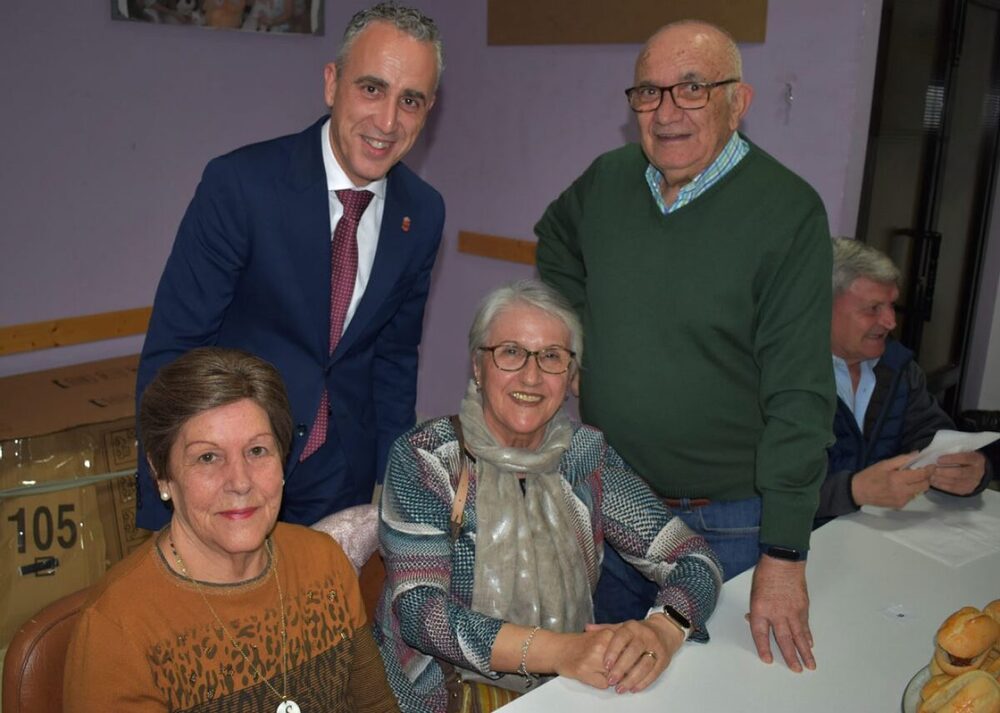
560, 22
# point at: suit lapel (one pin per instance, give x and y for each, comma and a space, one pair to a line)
307, 217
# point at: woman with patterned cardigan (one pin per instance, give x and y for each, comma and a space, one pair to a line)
493, 526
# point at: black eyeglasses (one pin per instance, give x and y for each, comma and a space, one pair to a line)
513, 357
685, 95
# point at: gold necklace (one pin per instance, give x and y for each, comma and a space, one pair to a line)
287, 705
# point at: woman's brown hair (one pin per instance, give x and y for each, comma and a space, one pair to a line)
203, 379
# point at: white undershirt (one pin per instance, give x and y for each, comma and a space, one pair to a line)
368, 227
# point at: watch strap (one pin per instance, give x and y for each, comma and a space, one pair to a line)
789, 554
674, 617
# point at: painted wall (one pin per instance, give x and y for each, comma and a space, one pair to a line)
107, 125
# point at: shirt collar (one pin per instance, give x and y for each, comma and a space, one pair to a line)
868, 364
336, 179
856, 401
732, 153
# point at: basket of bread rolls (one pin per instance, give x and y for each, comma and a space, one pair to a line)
965, 668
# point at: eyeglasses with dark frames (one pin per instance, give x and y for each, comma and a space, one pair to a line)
513, 357
685, 95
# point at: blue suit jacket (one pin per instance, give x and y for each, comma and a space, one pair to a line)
250, 268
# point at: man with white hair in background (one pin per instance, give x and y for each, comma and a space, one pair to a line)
884, 411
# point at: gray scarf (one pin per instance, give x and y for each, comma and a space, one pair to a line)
529, 567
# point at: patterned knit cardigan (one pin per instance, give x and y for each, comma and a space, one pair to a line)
424, 612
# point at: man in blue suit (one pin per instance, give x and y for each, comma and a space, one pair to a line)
251, 266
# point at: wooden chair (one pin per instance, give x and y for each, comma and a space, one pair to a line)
36, 657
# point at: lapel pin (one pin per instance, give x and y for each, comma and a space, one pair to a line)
406, 224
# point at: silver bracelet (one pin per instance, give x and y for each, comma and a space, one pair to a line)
523, 668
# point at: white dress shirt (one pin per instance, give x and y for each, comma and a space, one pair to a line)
369, 226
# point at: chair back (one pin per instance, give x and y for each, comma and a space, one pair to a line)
371, 579
36, 658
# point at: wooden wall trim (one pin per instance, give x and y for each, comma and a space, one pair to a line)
497, 247
73, 330
124, 323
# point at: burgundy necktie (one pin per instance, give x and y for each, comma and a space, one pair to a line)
343, 272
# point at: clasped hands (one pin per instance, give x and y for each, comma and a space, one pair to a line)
628, 656
890, 484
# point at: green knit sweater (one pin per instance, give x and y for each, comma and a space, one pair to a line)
706, 331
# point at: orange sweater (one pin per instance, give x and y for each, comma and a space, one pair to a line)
146, 642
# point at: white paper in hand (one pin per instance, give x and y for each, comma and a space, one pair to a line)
946, 442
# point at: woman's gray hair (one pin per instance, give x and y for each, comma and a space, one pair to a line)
853, 259
533, 293
203, 379
405, 19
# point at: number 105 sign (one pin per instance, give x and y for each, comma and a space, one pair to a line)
51, 543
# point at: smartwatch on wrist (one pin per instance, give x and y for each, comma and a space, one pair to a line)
674, 617
789, 554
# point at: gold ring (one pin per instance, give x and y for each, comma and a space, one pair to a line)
650, 654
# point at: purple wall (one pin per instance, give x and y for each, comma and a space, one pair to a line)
107, 125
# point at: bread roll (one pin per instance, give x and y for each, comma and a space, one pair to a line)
993, 609
964, 640
934, 685
972, 692
992, 664
933, 665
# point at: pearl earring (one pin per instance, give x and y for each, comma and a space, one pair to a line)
164, 495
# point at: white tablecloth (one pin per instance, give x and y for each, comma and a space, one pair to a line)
876, 602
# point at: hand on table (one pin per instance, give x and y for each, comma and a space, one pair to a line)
779, 601
638, 651
890, 484
581, 656
959, 473
602, 655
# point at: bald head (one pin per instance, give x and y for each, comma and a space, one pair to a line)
700, 36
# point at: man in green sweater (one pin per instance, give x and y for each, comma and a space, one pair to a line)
700, 267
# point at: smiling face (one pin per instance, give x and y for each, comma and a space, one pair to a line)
225, 484
863, 316
379, 101
518, 405
683, 143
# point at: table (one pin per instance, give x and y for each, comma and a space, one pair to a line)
875, 607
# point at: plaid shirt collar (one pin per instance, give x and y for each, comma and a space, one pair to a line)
732, 153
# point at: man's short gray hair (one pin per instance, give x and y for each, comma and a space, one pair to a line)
533, 293
853, 259
405, 19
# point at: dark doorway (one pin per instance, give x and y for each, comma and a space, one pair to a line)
930, 170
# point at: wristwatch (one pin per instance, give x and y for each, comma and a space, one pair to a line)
674, 617
788, 554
